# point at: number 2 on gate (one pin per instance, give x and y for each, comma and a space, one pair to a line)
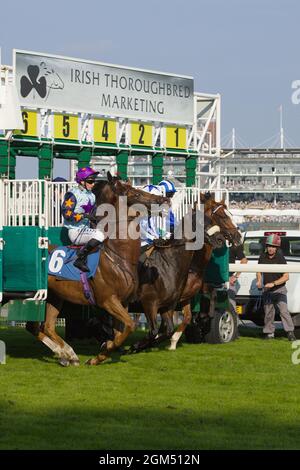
141, 134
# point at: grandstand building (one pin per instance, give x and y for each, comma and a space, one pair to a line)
263, 175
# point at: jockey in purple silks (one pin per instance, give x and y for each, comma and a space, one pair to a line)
78, 204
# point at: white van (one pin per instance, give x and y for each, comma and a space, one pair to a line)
248, 296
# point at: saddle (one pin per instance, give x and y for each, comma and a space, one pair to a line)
60, 263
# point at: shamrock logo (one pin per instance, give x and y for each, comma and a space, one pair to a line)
27, 84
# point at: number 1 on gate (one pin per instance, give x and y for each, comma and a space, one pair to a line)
176, 137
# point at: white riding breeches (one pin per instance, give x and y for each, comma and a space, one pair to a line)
80, 236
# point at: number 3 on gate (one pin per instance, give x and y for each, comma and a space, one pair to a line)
65, 126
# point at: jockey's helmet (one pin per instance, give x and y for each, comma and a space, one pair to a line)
273, 240
169, 187
85, 173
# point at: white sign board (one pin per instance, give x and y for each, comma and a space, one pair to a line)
74, 85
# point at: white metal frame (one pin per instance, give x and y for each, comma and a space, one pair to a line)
264, 268
23, 203
1, 225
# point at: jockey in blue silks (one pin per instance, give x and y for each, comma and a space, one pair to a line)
170, 190
149, 229
77, 207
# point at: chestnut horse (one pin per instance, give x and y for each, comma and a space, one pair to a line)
195, 281
115, 281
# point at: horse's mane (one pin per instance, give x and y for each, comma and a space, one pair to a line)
183, 238
97, 190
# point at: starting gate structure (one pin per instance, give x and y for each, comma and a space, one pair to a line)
35, 124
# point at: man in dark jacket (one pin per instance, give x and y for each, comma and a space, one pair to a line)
275, 292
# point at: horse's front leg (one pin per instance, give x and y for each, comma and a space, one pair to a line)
166, 328
50, 338
115, 308
187, 317
150, 310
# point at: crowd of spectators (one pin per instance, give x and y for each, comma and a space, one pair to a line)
278, 220
247, 185
263, 205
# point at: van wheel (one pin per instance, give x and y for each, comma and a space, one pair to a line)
223, 327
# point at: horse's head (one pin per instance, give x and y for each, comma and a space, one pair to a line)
104, 193
212, 232
219, 215
134, 195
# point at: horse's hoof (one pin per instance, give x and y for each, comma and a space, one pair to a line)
75, 362
91, 362
64, 362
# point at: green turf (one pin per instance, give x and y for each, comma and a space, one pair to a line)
241, 395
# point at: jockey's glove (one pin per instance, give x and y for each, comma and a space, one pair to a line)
90, 216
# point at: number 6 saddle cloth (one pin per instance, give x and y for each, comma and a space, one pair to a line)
61, 259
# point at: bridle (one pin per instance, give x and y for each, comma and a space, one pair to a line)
228, 232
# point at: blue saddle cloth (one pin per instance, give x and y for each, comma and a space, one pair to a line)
61, 261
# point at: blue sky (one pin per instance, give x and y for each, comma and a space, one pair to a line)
247, 50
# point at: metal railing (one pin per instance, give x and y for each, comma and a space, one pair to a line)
22, 203
38, 202
264, 268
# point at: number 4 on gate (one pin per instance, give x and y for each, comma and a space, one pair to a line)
105, 131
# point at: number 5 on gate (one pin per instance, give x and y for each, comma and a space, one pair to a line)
65, 126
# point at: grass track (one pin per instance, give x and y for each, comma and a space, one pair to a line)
241, 395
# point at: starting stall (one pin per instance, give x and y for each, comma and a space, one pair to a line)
84, 112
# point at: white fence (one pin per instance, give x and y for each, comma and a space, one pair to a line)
264, 268
22, 202
55, 195
38, 202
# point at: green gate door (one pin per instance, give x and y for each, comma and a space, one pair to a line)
25, 257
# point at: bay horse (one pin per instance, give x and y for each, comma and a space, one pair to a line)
175, 282
195, 281
114, 284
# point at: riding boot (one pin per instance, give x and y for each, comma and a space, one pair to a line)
81, 261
